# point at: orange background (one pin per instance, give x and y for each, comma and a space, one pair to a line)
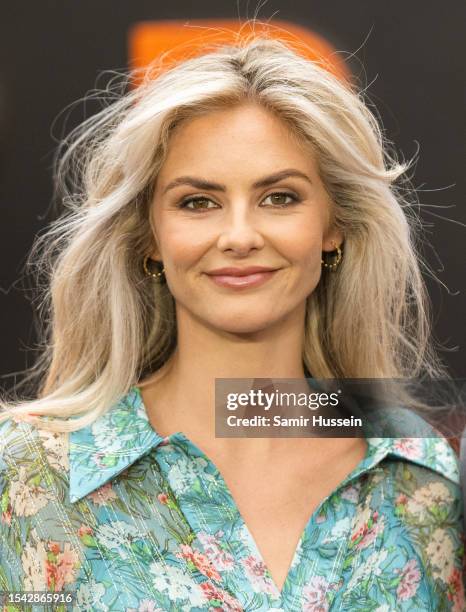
180, 40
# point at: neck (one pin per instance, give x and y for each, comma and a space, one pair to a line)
184, 389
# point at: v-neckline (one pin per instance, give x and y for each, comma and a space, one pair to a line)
180, 439
193, 517
311, 520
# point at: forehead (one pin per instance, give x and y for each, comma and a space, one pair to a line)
246, 134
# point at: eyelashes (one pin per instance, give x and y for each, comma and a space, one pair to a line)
197, 199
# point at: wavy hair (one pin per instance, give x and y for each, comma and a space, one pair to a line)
106, 325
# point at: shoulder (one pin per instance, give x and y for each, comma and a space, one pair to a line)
33, 467
422, 465
30, 456
34, 522
413, 445
413, 511
426, 495
424, 517
24, 446
32, 461
18, 442
424, 474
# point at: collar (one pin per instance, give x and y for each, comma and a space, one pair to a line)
106, 447
123, 434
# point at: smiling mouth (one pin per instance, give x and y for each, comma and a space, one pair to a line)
240, 282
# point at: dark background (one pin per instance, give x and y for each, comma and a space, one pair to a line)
409, 53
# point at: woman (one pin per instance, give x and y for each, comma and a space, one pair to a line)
249, 156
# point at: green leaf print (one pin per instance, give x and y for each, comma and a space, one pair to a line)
4, 500
109, 460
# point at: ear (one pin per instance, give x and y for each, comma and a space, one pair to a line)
155, 253
332, 239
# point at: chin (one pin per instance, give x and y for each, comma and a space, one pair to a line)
243, 325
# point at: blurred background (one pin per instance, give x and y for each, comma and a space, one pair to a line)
409, 55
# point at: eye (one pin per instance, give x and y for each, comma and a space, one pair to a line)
198, 203
278, 198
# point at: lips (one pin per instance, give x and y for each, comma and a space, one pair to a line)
230, 271
240, 279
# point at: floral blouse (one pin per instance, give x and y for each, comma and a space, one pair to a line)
128, 521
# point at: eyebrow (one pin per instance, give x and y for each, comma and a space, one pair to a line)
208, 185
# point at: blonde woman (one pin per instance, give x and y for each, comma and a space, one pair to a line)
236, 216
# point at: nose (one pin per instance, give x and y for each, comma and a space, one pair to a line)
239, 230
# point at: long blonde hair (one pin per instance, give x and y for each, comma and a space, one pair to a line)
106, 324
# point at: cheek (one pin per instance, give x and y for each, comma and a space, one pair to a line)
305, 254
304, 246
180, 243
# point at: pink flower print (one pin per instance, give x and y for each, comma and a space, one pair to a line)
6, 516
257, 574
103, 495
350, 493
367, 529
222, 559
86, 535
455, 592
254, 566
60, 567
67, 560
163, 498
228, 603
97, 458
400, 504
54, 547
409, 583
410, 447
314, 595
320, 518
199, 561
84, 530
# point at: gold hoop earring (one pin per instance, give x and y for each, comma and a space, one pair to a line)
333, 266
148, 272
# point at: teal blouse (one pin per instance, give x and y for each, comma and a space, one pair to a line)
127, 520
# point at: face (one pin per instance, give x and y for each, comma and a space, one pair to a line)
238, 191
